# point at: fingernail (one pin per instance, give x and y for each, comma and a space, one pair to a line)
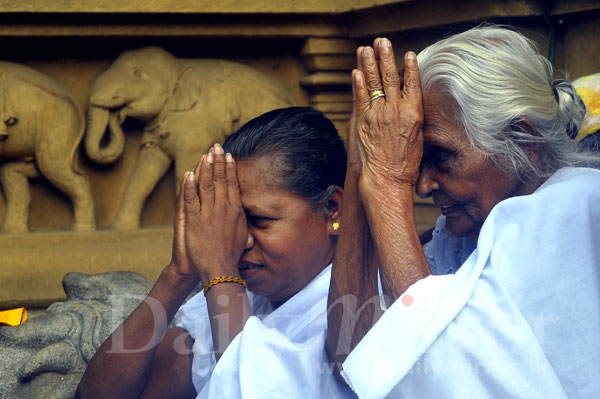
210, 157
218, 149
385, 43
411, 56
228, 157
191, 176
368, 51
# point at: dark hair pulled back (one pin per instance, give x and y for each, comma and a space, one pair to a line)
307, 154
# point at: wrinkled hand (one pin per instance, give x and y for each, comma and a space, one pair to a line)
215, 223
389, 129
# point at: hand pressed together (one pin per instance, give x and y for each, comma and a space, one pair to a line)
210, 224
389, 129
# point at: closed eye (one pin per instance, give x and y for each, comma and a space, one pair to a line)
260, 222
440, 158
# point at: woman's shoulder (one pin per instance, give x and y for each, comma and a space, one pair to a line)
568, 191
566, 204
574, 176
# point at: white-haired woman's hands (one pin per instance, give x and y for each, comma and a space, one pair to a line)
386, 132
389, 128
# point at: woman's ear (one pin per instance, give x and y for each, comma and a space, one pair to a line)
533, 147
527, 126
334, 210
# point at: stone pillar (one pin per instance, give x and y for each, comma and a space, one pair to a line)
329, 62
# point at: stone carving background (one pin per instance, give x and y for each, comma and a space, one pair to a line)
74, 67
33, 264
46, 356
186, 105
42, 128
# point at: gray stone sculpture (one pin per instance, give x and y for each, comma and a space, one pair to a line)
186, 105
46, 356
40, 132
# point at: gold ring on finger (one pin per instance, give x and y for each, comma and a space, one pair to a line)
375, 94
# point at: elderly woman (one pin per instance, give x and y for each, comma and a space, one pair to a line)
504, 301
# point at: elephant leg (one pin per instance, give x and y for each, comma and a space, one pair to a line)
76, 186
151, 165
14, 177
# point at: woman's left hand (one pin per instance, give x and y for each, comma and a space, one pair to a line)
389, 127
215, 223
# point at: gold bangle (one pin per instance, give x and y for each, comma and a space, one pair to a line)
223, 279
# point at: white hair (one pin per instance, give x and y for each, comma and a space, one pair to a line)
499, 80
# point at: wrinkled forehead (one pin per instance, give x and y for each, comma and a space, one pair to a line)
438, 99
441, 117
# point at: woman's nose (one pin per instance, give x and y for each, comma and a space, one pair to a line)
425, 183
249, 241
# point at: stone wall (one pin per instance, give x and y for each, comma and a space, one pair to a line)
307, 48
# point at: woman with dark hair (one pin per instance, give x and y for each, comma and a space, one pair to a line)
504, 302
260, 212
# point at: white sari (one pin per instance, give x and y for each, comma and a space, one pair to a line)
519, 319
279, 354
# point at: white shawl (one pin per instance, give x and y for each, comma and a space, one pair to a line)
278, 354
519, 319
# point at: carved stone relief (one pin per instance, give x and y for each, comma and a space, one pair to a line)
40, 132
186, 106
46, 356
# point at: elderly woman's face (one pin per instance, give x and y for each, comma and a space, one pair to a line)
461, 180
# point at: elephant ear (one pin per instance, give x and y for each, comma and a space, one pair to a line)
8, 116
186, 92
233, 109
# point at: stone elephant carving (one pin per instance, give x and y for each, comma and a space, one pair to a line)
40, 132
186, 105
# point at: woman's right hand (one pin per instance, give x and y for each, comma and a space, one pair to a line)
215, 226
389, 128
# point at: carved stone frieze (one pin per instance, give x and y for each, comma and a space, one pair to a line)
40, 131
186, 106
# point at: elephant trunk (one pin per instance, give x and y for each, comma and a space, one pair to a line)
98, 149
